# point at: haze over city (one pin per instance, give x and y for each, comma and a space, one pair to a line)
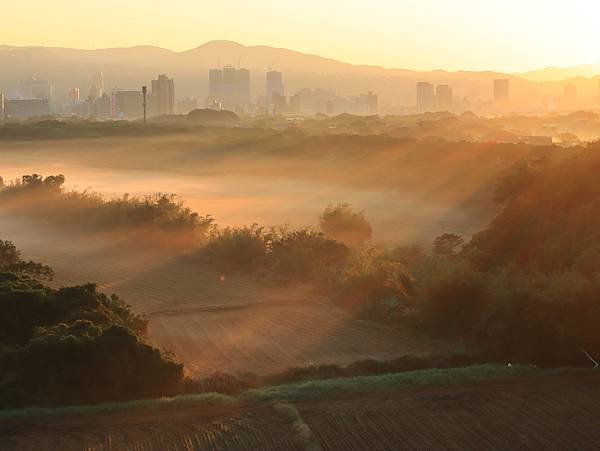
319, 225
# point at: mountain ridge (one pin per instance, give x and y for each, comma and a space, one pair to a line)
129, 67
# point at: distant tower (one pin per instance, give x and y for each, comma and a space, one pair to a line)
274, 85
229, 86
144, 92
444, 96
163, 95
501, 91
243, 87
97, 86
425, 97
74, 95
215, 84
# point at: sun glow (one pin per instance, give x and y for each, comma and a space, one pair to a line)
506, 35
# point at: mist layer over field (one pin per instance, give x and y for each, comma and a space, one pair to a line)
408, 190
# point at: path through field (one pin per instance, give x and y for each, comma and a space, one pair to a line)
232, 324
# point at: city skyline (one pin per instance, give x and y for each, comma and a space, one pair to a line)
468, 35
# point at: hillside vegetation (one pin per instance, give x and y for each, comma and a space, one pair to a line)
73, 345
527, 288
158, 217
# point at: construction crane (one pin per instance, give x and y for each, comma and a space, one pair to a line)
273, 64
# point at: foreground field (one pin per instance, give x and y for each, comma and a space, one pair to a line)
213, 321
532, 411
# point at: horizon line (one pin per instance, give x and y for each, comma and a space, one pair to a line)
374, 66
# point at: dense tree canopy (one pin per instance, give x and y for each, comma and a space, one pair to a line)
72, 345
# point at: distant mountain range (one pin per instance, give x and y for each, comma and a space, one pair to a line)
562, 73
129, 68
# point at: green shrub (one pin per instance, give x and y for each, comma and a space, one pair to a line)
75, 345
11, 261
241, 249
299, 255
305, 255
156, 217
341, 223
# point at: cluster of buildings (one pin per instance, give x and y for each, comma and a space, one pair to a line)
229, 89
35, 99
431, 99
124, 104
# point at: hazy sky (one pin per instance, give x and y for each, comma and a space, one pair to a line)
509, 35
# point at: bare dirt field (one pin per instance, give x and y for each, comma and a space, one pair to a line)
532, 412
233, 324
272, 337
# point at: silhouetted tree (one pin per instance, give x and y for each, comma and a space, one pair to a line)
447, 244
341, 223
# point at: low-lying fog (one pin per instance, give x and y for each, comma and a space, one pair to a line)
235, 200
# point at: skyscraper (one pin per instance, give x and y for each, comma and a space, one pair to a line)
243, 87
74, 95
128, 104
229, 88
215, 84
274, 85
97, 86
372, 103
1, 106
425, 97
163, 95
444, 96
501, 91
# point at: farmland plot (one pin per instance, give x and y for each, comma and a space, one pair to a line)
211, 321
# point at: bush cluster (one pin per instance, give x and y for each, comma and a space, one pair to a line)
74, 345
157, 215
299, 255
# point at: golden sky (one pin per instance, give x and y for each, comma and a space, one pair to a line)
506, 35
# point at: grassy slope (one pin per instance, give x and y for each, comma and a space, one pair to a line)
306, 390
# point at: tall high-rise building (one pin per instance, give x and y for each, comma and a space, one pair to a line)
215, 84
372, 102
229, 88
274, 85
128, 104
1, 106
501, 90
101, 107
444, 96
74, 95
243, 87
163, 95
425, 97
96, 86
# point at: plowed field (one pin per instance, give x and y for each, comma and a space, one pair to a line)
533, 412
237, 324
